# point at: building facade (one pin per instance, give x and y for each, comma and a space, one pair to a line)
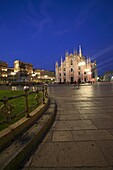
23, 70
75, 67
108, 76
3, 71
44, 76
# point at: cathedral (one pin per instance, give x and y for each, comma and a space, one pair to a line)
76, 67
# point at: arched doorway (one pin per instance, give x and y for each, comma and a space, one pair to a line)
71, 80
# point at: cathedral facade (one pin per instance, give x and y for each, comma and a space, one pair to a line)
75, 67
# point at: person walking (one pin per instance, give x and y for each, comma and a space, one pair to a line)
79, 81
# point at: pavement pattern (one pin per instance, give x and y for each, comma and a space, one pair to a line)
81, 137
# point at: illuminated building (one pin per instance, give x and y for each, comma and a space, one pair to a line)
74, 67
3, 71
43, 76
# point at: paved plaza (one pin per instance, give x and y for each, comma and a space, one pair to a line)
81, 137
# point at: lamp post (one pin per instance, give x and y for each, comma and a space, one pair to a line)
26, 89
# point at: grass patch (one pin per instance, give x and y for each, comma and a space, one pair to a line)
18, 106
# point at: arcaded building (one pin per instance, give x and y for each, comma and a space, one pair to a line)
76, 67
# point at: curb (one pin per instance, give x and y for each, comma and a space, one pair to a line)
8, 135
16, 153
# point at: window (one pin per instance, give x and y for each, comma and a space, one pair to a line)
79, 73
59, 74
64, 74
71, 70
79, 67
71, 62
84, 72
64, 69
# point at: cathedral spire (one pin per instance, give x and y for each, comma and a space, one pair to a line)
56, 63
66, 53
80, 51
89, 60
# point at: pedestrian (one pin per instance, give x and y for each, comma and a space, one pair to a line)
79, 82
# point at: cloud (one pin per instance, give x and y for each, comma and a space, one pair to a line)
85, 14
62, 32
37, 16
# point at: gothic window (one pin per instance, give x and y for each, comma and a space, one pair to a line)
71, 62
59, 74
79, 67
79, 73
64, 74
71, 70
64, 69
84, 72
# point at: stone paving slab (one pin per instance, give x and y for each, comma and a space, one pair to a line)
103, 123
90, 111
81, 135
68, 154
74, 125
68, 117
106, 148
111, 131
91, 135
62, 136
94, 115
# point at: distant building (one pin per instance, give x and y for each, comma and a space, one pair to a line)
43, 76
11, 75
3, 71
22, 66
23, 70
108, 76
75, 67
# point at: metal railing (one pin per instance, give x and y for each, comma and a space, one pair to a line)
7, 108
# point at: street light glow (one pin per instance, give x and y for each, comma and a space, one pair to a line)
13, 73
89, 72
82, 63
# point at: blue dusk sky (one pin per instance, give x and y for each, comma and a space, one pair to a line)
40, 31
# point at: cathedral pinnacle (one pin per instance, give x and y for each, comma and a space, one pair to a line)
80, 51
66, 53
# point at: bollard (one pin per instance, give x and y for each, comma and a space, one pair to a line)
26, 89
